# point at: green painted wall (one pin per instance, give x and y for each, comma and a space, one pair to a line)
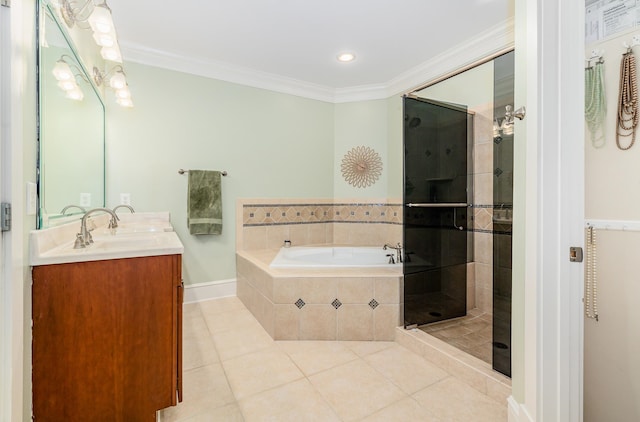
362, 123
271, 144
395, 150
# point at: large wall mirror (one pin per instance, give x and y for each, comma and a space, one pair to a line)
71, 128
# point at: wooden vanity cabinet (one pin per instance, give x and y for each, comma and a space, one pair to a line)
107, 339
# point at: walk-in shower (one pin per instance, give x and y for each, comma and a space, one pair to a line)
458, 199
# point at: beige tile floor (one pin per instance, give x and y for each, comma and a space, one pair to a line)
472, 333
233, 371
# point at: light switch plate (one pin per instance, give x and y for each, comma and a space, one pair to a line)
32, 198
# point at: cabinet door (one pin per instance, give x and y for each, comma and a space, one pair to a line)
178, 325
104, 339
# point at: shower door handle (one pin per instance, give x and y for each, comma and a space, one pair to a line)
440, 205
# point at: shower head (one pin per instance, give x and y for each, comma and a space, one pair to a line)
414, 122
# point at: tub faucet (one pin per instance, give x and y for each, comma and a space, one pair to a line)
398, 249
125, 206
83, 239
72, 206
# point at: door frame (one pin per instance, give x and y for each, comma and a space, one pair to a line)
18, 26
5, 307
550, 35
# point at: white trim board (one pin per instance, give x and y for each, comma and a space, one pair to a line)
484, 44
517, 412
200, 292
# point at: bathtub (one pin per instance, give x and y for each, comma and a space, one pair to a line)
332, 257
322, 293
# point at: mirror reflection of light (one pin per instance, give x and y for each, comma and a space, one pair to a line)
62, 71
125, 102
66, 85
75, 94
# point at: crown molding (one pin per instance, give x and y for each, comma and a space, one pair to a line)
487, 43
225, 72
492, 41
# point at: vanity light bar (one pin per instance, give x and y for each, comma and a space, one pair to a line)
67, 80
101, 23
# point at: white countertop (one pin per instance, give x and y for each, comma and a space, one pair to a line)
137, 235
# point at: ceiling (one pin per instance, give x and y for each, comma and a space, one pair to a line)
297, 41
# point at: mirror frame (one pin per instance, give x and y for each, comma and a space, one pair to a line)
44, 10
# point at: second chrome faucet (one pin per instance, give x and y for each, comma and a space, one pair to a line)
398, 249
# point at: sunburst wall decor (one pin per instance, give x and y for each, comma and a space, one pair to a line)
361, 167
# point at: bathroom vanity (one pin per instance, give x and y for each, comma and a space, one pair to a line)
107, 324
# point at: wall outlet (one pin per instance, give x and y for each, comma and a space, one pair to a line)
125, 199
85, 199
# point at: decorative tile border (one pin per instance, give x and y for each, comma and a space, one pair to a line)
281, 214
255, 215
493, 219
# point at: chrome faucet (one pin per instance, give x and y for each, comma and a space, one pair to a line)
84, 239
398, 249
124, 205
72, 206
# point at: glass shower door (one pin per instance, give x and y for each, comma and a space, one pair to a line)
504, 74
437, 188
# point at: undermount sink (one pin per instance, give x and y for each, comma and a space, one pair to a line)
118, 242
133, 228
132, 238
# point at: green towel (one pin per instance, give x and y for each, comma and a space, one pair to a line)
204, 205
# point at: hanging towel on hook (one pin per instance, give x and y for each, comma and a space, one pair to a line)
204, 202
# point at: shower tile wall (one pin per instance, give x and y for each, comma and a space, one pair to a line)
483, 208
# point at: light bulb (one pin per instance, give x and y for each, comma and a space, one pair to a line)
111, 53
101, 20
104, 40
118, 80
123, 93
62, 71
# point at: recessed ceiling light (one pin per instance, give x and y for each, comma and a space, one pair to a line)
346, 57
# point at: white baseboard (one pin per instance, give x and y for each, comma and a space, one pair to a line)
209, 290
517, 411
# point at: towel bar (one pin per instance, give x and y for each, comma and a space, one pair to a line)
181, 171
